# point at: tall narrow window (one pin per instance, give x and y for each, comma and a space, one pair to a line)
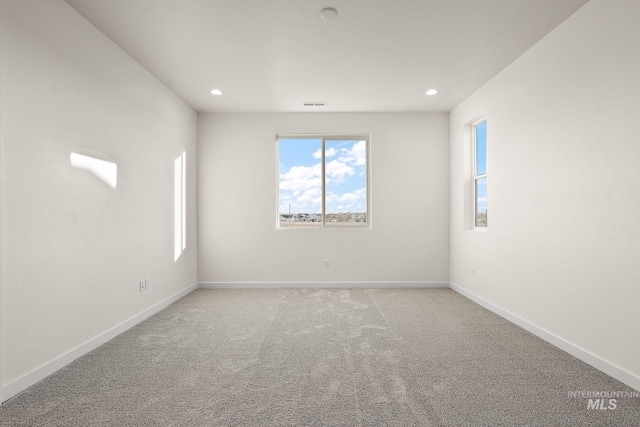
323, 181
480, 173
179, 206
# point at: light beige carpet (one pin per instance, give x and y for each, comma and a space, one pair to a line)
358, 357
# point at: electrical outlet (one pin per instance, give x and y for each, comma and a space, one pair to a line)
142, 286
326, 263
473, 272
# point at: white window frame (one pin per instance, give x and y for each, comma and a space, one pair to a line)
327, 137
476, 176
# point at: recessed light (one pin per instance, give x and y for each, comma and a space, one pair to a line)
216, 92
328, 13
431, 92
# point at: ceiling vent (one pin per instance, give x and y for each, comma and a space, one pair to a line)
314, 104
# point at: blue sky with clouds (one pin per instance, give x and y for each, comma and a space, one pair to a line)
481, 166
300, 175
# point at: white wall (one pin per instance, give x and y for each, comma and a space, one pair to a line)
562, 251
2, 95
240, 245
74, 248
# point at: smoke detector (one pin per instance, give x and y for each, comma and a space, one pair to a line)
328, 13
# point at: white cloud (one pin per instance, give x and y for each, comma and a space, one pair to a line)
311, 196
347, 197
356, 156
347, 202
300, 178
301, 189
336, 171
330, 152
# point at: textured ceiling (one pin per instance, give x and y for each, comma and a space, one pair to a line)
376, 55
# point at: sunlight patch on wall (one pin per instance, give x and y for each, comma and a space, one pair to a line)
180, 206
106, 171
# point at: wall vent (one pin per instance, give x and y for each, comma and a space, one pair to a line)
314, 104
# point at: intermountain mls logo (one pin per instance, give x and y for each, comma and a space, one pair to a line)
604, 400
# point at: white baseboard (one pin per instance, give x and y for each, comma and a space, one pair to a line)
602, 365
319, 285
14, 387
11, 389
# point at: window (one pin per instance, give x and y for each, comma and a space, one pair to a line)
480, 173
323, 181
